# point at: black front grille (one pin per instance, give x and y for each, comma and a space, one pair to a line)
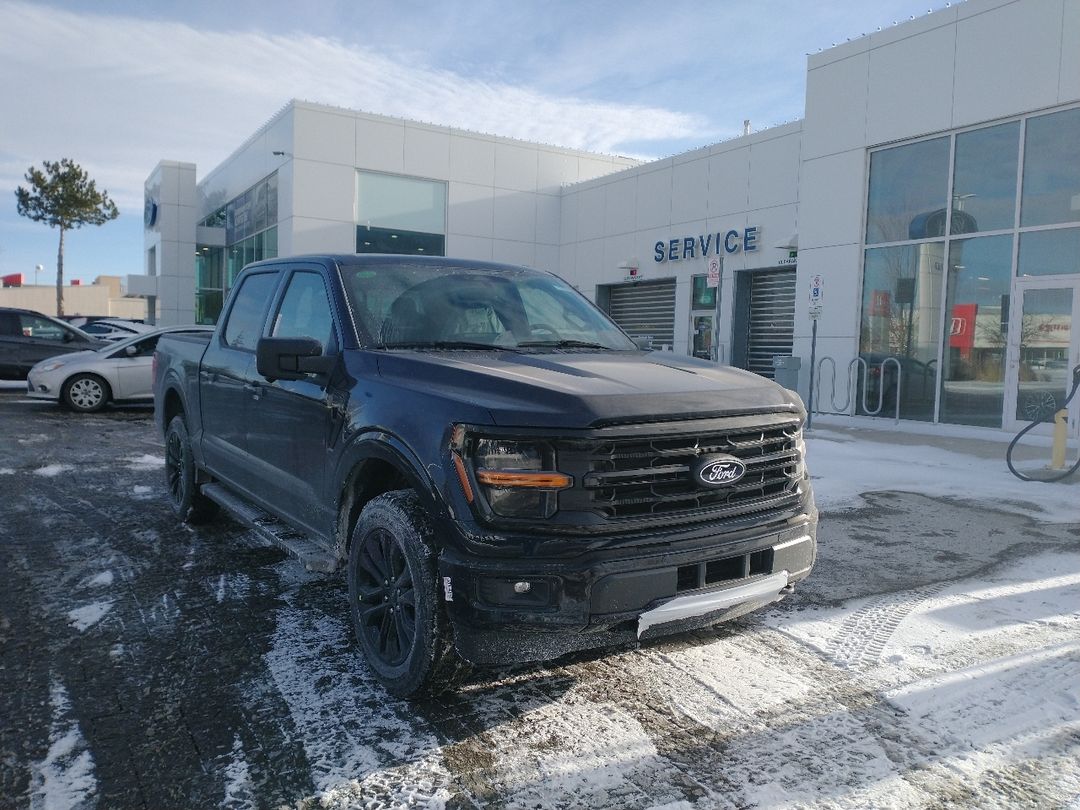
640, 476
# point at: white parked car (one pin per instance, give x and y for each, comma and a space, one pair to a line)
119, 372
116, 328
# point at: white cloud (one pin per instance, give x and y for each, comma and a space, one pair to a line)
117, 94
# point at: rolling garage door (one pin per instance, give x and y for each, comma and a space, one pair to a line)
772, 319
645, 309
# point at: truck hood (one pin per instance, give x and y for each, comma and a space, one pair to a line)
573, 389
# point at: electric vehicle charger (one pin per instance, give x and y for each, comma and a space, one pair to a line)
1052, 478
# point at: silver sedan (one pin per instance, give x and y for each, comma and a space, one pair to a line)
87, 381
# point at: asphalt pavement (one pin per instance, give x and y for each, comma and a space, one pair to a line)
146, 664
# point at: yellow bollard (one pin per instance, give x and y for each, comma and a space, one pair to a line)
1057, 453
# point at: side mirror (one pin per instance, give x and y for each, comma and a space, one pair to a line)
291, 358
68, 336
131, 351
644, 343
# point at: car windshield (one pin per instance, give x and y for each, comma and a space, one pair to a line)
429, 306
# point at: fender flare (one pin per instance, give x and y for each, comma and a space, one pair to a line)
386, 447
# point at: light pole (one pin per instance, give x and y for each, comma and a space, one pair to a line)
37, 269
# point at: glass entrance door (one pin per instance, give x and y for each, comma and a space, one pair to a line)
1044, 347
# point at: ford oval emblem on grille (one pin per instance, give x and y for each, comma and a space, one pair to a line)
720, 471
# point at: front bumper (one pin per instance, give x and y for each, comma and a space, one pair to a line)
619, 595
42, 386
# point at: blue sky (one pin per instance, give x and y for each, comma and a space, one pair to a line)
118, 85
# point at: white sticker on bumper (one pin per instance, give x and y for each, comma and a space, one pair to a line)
685, 607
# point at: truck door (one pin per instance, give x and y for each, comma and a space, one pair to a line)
226, 386
294, 421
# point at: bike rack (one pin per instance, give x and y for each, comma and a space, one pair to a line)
851, 392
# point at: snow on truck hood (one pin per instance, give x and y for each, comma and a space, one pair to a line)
576, 389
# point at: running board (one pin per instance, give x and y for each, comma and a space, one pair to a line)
313, 556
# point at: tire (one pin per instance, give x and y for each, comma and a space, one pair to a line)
190, 505
400, 624
85, 393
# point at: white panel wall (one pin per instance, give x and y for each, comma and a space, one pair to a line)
380, 144
172, 186
516, 167
427, 151
911, 85
1007, 59
729, 180
472, 160
831, 200
471, 211
836, 98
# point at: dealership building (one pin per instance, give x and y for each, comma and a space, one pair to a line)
927, 209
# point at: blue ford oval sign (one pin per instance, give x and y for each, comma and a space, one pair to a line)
720, 471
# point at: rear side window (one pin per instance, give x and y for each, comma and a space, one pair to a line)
244, 327
35, 327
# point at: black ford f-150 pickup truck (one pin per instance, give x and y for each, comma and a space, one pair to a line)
506, 475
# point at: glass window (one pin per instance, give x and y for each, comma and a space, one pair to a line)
1051, 192
400, 203
208, 305
984, 179
270, 243
403, 305
246, 316
386, 240
1046, 319
702, 296
908, 188
973, 375
35, 327
901, 316
208, 267
305, 310
1049, 253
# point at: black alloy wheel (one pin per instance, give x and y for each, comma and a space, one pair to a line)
385, 597
400, 624
189, 504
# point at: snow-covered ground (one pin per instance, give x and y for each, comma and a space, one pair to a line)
846, 463
932, 659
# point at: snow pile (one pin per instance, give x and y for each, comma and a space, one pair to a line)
6, 471
145, 462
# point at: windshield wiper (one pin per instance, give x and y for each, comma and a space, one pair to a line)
563, 344
445, 344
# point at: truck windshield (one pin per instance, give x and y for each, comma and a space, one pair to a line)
428, 306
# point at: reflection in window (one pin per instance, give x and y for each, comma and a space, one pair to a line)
305, 310
244, 327
984, 179
901, 316
1049, 253
973, 374
908, 188
1045, 336
703, 296
1051, 191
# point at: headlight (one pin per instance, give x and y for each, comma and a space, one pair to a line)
514, 478
48, 365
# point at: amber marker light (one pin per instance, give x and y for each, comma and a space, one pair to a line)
463, 477
529, 480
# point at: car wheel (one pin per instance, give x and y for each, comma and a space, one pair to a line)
86, 393
399, 622
184, 496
